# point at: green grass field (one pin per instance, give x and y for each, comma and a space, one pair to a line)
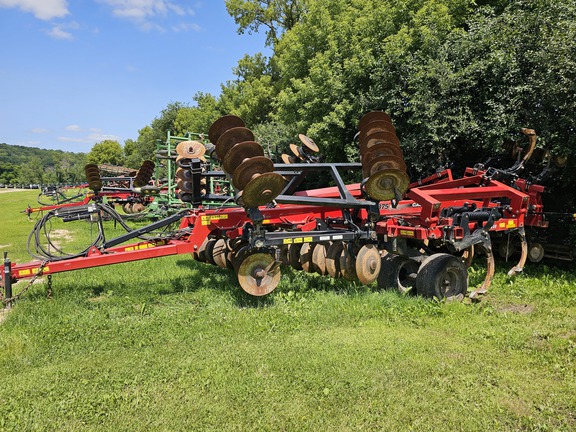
171, 344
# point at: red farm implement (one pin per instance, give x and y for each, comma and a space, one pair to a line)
417, 237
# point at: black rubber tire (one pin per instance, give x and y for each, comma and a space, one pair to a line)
395, 272
442, 276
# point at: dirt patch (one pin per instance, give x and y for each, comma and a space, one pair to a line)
516, 308
58, 236
61, 234
11, 190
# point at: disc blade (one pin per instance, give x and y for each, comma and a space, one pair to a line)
294, 252
287, 159
387, 184
333, 259
230, 138
209, 252
372, 116
219, 253
308, 143
296, 150
381, 163
319, 258
376, 126
249, 169
258, 274
191, 149
262, 189
306, 257
380, 137
240, 152
347, 264
368, 263
222, 125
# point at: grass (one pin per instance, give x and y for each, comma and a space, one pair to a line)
171, 344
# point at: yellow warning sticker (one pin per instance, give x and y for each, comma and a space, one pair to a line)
298, 240
308, 239
407, 233
207, 219
511, 224
29, 272
502, 225
287, 241
139, 247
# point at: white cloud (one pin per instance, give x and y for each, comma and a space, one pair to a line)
60, 31
42, 9
145, 12
57, 33
90, 139
186, 27
39, 130
73, 128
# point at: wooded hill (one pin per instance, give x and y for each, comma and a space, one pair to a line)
30, 165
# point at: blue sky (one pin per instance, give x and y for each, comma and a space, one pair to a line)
76, 72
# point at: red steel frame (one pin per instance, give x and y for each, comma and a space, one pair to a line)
417, 217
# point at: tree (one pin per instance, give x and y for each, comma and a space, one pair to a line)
106, 152
197, 118
251, 95
276, 16
31, 172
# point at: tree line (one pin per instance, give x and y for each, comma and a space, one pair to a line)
458, 77
29, 165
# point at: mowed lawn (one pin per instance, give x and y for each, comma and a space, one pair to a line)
171, 344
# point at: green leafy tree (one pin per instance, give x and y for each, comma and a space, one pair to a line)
198, 118
106, 152
276, 16
251, 95
31, 172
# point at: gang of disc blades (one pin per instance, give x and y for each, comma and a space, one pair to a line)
296, 150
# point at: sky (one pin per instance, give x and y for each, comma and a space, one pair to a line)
76, 72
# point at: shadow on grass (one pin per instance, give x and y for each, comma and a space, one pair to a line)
204, 275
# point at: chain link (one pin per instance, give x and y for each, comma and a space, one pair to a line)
38, 274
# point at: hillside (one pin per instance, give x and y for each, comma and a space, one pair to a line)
20, 164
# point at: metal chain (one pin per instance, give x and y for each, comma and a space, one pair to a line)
21, 293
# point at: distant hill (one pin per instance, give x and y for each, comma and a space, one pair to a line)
31, 165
